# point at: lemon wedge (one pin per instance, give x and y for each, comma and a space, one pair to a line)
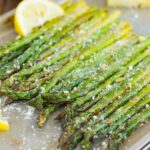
33, 13
129, 3
4, 126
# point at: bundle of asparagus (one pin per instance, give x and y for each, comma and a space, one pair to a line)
88, 61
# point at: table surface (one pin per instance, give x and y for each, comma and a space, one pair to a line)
6, 5
24, 134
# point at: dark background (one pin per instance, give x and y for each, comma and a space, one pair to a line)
6, 5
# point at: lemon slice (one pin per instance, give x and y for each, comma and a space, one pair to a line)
33, 13
129, 3
4, 126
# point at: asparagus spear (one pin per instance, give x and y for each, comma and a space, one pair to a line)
84, 56
8, 69
64, 62
78, 49
66, 69
71, 12
111, 17
79, 21
81, 38
73, 109
132, 124
81, 100
78, 34
93, 64
13, 55
101, 127
61, 55
135, 109
37, 45
89, 130
108, 83
92, 83
41, 78
33, 102
128, 75
141, 78
45, 113
6, 49
84, 117
39, 96
120, 124
73, 62
73, 9
68, 58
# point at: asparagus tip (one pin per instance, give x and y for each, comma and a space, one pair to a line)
41, 120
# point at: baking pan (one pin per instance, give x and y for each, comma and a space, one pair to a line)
24, 133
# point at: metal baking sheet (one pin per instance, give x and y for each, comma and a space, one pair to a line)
24, 133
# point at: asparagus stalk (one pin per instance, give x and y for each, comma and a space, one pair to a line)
101, 126
73, 109
9, 68
120, 124
9, 80
132, 124
102, 31
92, 83
88, 44
91, 67
81, 100
13, 55
45, 113
77, 34
135, 109
80, 104
78, 135
14, 45
33, 102
110, 18
102, 60
78, 50
122, 111
79, 21
84, 117
37, 45
141, 78
90, 131
41, 78
59, 73
38, 98
64, 71
84, 56
59, 56
117, 104
69, 8
128, 75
